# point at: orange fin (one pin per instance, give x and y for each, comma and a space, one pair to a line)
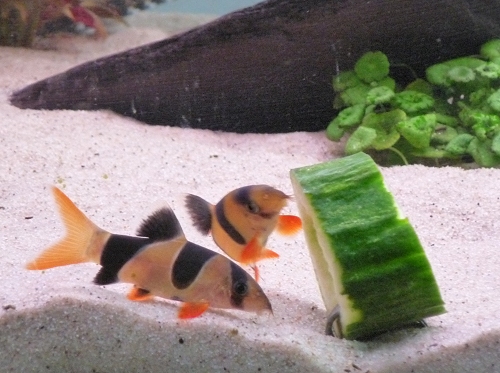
253, 252
190, 310
268, 254
72, 249
289, 224
256, 272
139, 295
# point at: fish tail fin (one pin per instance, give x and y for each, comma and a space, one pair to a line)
200, 213
288, 224
74, 248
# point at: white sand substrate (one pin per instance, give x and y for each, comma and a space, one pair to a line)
117, 169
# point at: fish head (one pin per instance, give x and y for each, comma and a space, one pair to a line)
224, 284
262, 200
255, 209
246, 294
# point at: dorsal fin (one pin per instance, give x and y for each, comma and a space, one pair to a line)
161, 225
200, 213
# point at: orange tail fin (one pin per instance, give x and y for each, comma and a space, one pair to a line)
288, 224
74, 247
192, 310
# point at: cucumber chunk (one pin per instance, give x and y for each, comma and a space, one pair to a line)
370, 265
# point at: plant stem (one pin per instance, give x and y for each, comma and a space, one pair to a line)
401, 155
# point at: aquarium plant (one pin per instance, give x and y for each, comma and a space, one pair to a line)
450, 117
22, 20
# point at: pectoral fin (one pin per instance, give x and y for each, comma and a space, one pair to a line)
251, 252
190, 310
254, 251
139, 294
288, 224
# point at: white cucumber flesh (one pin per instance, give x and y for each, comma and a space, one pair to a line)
369, 263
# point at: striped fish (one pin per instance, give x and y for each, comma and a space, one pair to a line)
242, 221
159, 261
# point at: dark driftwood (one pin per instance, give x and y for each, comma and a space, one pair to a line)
266, 68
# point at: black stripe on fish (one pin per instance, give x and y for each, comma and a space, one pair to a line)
239, 285
199, 210
118, 251
242, 196
160, 225
226, 225
189, 263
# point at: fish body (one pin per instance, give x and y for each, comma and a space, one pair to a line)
279, 58
241, 222
159, 261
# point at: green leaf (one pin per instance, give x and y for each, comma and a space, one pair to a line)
470, 62
491, 49
372, 67
490, 70
443, 134
355, 95
384, 125
429, 152
482, 153
334, 132
460, 144
494, 101
487, 126
461, 74
386, 82
483, 125
350, 116
438, 74
480, 96
495, 144
413, 102
344, 80
447, 120
420, 85
379, 95
360, 140
418, 130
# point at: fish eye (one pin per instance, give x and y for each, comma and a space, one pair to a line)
253, 207
240, 288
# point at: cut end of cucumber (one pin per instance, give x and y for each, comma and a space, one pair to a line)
367, 257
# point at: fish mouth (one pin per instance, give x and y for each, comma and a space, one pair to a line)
267, 309
268, 312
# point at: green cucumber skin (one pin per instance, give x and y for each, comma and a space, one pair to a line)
385, 272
